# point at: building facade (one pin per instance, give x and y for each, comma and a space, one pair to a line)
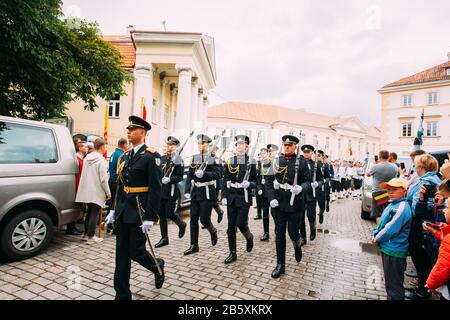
173, 74
402, 103
340, 138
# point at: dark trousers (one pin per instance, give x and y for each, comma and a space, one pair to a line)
237, 217
357, 183
265, 206
285, 219
166, 211
113, 187
345, 184
130, 245
321, 197
200, 210
310, 208
336, 186
259, 200
394, 269
90, 223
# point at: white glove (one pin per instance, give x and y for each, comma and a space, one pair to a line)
109, 218
260, 192
187, 196
274, 203
315, 184
276, 184
245, 184
296, 189
224, 201
199, 174
165, 180
146, 226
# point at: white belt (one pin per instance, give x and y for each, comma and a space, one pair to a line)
236, 185
206, 185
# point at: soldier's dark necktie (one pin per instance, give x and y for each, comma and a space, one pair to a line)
132, 154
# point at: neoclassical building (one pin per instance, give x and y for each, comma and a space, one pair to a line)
173, 74
402, 103
340, 137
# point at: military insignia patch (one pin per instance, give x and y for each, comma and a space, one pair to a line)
158, 161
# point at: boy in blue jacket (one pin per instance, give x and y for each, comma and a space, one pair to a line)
391, 235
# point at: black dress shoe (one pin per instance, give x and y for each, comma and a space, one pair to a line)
182, 230
163, 242
220, 216
74, 232
265, 237
214, 238
250, 243
159, 278
312, 236
192, 249
278, 271
320, 218
298, 250
231, 258
414, 295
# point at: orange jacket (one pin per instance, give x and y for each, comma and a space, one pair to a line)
440, 274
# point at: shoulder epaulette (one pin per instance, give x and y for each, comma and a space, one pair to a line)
151, 149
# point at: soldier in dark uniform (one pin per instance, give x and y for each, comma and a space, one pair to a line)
311, 198
139, 180
328, 184
172, 170
259, 205
203, 194
217, 207
280, 187
237, 195
266, 169
323, 175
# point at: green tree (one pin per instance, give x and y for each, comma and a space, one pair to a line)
47, 61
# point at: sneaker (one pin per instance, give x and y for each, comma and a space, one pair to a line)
94, 240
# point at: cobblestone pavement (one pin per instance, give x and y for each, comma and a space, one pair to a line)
337, 265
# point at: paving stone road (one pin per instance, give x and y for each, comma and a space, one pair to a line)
339, 264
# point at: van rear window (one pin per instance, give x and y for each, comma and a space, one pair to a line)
26, 144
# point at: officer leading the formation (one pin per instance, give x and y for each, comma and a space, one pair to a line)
172, 169
239, 180
281, 187
200, 187
139, 182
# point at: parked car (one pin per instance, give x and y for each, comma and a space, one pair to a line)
37, 185
367, 185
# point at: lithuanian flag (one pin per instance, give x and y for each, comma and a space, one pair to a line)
381, 199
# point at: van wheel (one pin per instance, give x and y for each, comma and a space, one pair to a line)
365, 215
26, 234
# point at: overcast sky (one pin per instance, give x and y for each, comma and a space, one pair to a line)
326, 56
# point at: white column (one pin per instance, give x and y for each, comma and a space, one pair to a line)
182, 119
194, 103
143, 88
205, 112
162, 116
173, 92
199, 124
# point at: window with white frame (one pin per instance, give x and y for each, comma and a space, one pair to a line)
447, 71
114, 107
315, 141
432, 98
154, 110
432, 129
407, 100
407, 130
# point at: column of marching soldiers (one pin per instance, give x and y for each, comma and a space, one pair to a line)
287, 184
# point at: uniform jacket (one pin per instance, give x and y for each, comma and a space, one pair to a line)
440, 274
393, 231
263, 171
168, 166
234, 172
143, 170
212, 173
284, 172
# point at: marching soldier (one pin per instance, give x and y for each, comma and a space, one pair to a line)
201, 189
259, 204
265, 170
237, 196
322, 177
281, 188
328, 184
139, 190
217, 207
311, 196
172, 170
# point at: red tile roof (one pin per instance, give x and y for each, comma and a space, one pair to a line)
126, 48
432, 74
